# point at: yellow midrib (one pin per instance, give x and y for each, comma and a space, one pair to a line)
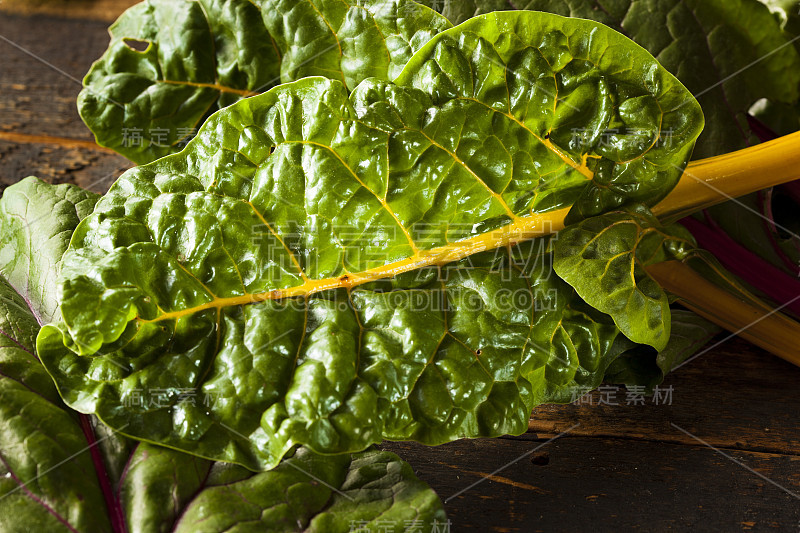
579, 167
215, 86
497, 196
381, 200
525, 228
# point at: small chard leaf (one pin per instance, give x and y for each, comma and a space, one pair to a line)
373, 490
38, 220
62, 472
171, 63
730, 53
166, 490
604, 259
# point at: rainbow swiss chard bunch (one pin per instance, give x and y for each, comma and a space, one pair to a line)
360, 222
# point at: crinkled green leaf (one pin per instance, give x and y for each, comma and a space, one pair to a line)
349, 41
593, 98
171, 63
37, 223
310, 493
467, 351
643, 365
604, 259
730, 53
165, 490
61, 472
225, 269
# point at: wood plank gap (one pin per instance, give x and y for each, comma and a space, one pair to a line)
685, 441
25, 138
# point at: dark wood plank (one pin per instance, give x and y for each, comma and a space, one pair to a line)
601, 484
41, 133
735, 396
105, 10
91, 169
43, 60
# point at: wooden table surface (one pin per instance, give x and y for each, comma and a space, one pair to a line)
717, 450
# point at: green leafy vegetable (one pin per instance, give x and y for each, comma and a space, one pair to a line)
604, 259
61, 472
171, 63
348, 41
37, 223
166, 288
729, 53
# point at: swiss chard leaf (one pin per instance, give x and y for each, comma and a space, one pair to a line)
245, 267
171, 63
730, 53
604, 259
61, 472
349, 41
168, 66
38, 220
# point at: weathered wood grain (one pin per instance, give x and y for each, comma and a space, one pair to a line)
105, 10
735, 396
41, 134
606, 484
43, 60
91, 169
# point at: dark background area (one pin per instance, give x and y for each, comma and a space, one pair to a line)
722, 453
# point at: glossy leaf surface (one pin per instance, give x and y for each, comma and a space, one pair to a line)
171, 63
168, 66
729, 53
604, 259
239, 267
593, 98
60, 472
37, 223
349, 41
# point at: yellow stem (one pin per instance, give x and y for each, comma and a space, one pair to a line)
709, 182
768, 329
703, 184
715, 180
